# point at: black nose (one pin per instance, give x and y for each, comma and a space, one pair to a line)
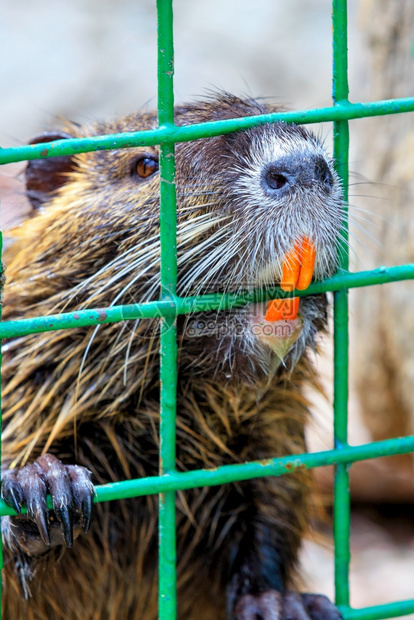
298, 170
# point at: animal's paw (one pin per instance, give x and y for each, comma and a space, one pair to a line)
72, 496
272, 605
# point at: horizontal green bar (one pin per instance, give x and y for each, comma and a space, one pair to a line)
172, 133
203, 303
85, 318
174, 481
390, 610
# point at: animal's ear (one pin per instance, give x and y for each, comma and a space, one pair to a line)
44, 176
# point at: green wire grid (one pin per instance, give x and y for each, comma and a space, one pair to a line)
170, 305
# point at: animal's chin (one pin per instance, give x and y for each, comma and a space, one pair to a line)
277, 324
279, 335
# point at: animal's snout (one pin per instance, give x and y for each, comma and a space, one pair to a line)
299, 170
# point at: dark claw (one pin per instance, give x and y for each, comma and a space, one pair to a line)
59, 486
87, 513
64, 514
11, 491
293, 607
265, 606
320, 607
40, 516
72, 497
34, 493
83, 492
37, 508
13, 497
247, 608
272, 605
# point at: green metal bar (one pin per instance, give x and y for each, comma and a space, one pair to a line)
168, 133
167, 573
225, 474
342, 508
202, 303
390, 610
258, 469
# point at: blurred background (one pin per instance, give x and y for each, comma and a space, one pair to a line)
96, 59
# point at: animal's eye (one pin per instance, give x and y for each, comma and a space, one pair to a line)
145, 167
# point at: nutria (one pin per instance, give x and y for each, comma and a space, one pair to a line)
84, 404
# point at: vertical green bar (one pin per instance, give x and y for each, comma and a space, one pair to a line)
167, 600
341, 147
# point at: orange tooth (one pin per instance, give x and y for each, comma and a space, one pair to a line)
282, 309
297, 273
291, 269
308, 263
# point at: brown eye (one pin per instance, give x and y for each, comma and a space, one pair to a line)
145, 167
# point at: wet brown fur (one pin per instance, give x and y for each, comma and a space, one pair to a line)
89, 409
